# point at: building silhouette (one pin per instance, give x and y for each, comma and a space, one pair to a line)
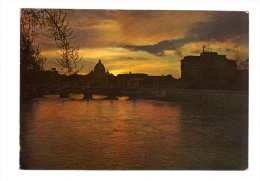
209, 70
141, 80
99, 70
131, 79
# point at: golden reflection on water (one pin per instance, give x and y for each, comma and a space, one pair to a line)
81, 96
100, 134
73, 133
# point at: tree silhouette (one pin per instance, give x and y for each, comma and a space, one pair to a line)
57, 27
61, 32
243, 65
30, 52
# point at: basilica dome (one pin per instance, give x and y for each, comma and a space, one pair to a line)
99, 67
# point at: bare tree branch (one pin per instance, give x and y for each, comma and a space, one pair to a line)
60, 30
57, 27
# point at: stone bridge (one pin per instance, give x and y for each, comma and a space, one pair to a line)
111, 92
216, 98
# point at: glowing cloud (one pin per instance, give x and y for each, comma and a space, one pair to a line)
151, 42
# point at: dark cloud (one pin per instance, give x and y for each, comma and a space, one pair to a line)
225, 49
127, 58
196, 51
159, 48
133, 58
178, 53
75, 14
224, 25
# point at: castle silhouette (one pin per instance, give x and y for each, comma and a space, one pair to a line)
209, 70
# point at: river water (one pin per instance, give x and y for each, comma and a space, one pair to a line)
123, 134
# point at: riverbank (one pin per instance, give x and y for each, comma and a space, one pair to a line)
213, 98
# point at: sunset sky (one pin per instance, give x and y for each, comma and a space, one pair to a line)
151, 42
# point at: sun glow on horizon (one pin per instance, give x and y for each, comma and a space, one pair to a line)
151, 42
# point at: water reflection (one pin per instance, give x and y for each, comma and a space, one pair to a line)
74, 96
113, 134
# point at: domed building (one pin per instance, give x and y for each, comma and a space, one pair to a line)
99, 76
99, 70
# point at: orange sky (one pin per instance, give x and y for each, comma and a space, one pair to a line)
151, 42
